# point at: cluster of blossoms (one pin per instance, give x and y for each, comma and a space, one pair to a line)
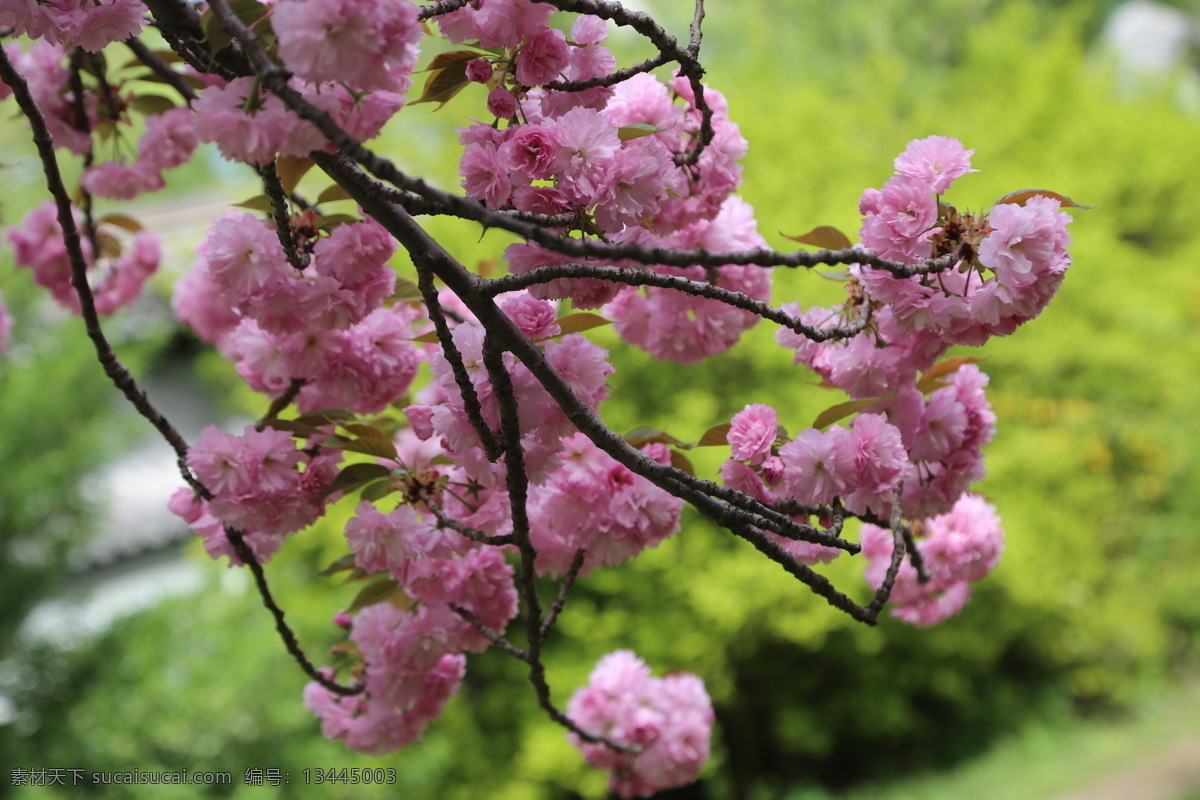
958, 548
1010, 262
168, 142
262, 485
116, 282
325, 325
669, 720
442, 412
90, 24
566, 152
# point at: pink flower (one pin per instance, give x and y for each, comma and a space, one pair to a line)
752, 432
819, 466
935, 162
479, 70
367, 44
542, 57
484, 176
670, 718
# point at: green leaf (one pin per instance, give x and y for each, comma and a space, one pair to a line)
426, 338
355, 475
715, 436
406, 290
377, 490
948, 366
121, 221
370, 446
842, 410
342, 564
332, 194
1021, 197
330, 221
826, 237
152, 104
248, 11
326, 416
443, 84
452, 58
680, 461
637, 130
257, 203
583, 321
292, 426
641, 436
291, 169
373, 593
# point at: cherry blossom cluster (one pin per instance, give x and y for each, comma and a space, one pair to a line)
669, 720
167, 143
1011, 261
443, 413
325, 325
594, 504
90, 24
610, 156
958, 548
116, 276
261, 485
252, 125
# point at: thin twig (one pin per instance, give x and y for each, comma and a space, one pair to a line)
489, 634
567, 582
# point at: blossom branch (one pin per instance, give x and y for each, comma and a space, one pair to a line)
898, 548
446, 521
273, 187
631, 277
726, 506
489, 634
238, 541
470, 398
160, 68
563, 588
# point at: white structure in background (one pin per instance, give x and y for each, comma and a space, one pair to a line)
135, 559
1153, 43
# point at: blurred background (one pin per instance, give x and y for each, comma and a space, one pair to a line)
1076, 665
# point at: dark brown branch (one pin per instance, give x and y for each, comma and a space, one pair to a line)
438, 9
489, 634
631, 277
446, 521
697, 32
563, 588
613, 78
487, 437
160, 68
273, 187
889, 579
285, 632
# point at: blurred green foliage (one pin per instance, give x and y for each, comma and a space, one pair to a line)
1092, 468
